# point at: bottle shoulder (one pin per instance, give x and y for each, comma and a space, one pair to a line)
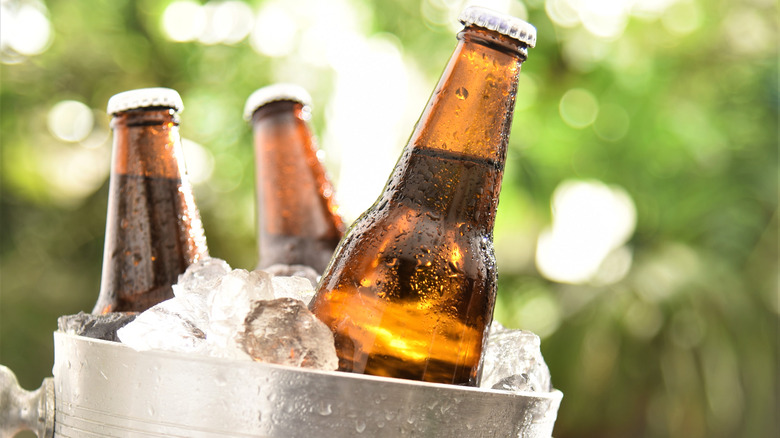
405, 231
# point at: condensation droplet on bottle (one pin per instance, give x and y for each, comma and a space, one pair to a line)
462, 93
360, 426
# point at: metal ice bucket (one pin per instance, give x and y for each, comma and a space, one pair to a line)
103, 388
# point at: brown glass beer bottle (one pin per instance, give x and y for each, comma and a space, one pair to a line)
153, 228
411, 288
297, 221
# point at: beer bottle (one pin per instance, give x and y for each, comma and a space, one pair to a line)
297, 222
153, 228
410, 290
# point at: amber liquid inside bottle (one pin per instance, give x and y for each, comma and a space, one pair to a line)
297, 219
153, 229
411, 289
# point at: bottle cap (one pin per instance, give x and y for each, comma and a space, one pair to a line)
275, 93
504, 24
143, 98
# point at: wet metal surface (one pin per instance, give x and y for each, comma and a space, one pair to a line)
107, 389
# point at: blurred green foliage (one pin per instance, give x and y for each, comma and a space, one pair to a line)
684, 345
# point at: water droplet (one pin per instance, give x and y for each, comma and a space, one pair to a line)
360, 426
462, 93
326, 410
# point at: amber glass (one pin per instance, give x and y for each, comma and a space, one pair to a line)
153, 228
297, 222
411, 288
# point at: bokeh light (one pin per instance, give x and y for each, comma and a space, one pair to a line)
682, 18
199, 161
70, 121
578, 108
184, 21
275, 31
590, 221
216, 22
24, 30
227, 22
73, 173
612, 122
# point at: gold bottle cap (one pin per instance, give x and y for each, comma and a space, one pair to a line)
275, 93
504, 24
144, 98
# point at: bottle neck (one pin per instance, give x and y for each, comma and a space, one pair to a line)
147, 143
458, 148
295, 197
470, 111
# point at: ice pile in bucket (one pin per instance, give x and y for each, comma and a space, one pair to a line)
262, 315
220, 312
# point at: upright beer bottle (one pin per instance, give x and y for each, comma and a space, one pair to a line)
153, 228
411, 288
297, 223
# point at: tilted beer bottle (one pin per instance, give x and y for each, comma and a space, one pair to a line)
297, 222
410, 291
153, 228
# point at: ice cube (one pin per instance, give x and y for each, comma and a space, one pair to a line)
298, 288
228, 305
283, 331
95, 326
201, 277
304, 271
170, 325
512, 361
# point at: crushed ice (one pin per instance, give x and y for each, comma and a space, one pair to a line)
221, 312
512, 361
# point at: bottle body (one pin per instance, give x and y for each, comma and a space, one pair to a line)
153, 228
297, 221
411, 289
416, 279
